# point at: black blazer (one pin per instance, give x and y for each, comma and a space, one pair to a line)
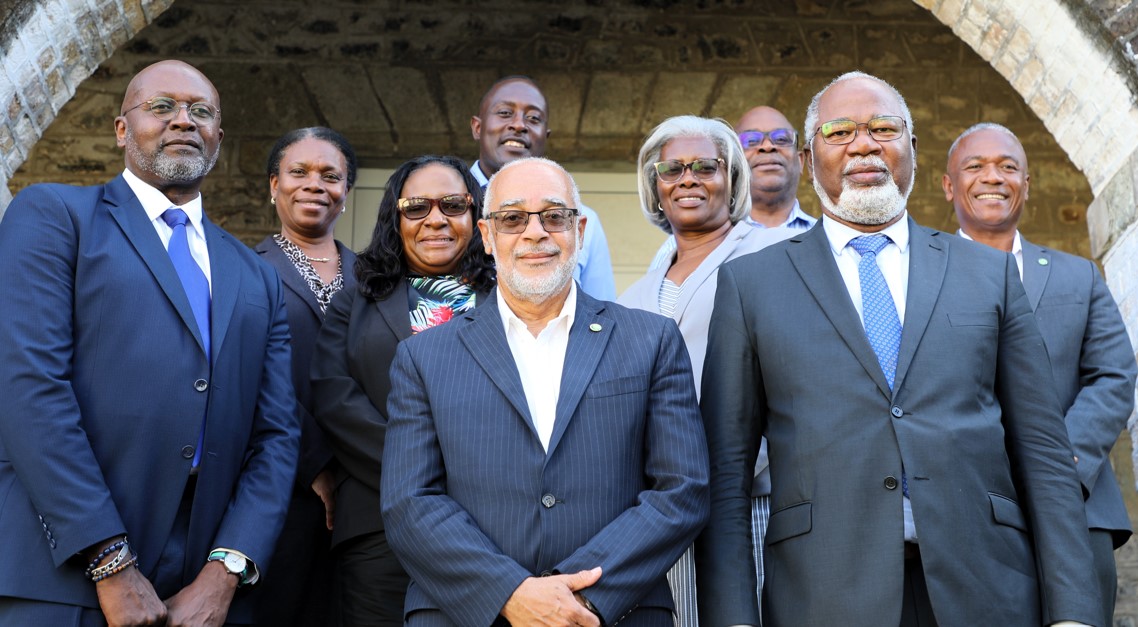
304, 320
350, 384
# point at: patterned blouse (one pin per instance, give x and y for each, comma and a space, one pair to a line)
435, 300
323, 291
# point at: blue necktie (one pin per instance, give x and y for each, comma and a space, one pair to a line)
879, 312
196, 286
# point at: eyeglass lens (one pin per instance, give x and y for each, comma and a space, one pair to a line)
552, 220
166, 109
673, 169
885, 128
418, 208
780, 137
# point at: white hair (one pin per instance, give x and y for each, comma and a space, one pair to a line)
488, 198
812, 110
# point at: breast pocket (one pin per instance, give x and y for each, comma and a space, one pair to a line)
614, 387
974, 319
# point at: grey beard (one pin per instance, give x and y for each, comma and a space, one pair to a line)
536, 289
869, 206
175, 169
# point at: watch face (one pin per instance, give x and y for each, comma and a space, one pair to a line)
234, 563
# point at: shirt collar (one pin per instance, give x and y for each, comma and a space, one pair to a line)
568, 311
840, 235
479, 176
1017, 243
796, 219
155, 203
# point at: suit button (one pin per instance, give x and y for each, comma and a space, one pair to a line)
201, 385
897, 412
890, 483
548, 501
188, 452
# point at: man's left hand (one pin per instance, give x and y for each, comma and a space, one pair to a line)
205, 602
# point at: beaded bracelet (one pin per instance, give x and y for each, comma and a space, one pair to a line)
117, 546
133, 561
123, 554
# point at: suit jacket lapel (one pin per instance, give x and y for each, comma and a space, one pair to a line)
708, 266
1036, 271
928, 259
583, 353
395, 311
124, 207
291, 277
811, 256
224, 283
483, 336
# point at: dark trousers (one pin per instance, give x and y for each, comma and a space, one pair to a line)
916, 608
296, 590
373, 585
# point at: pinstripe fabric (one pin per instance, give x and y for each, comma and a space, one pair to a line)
465, 475
760, 514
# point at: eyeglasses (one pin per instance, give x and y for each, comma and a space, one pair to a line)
418, 208
883, 128
166, 109
779, 138
516, 221
672, 170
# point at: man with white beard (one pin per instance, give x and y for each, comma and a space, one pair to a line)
920, 475
544, 461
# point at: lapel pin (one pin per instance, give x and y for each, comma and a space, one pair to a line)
1042, 261
594, 327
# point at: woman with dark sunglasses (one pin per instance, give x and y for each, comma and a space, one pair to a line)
694, 183
424, 265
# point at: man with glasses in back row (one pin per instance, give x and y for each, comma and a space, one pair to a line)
544, 456
921, 473
148, 437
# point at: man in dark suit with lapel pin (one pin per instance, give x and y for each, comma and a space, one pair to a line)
1091, 357
920, 474
544, 455
148, 436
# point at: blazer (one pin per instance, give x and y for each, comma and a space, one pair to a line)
474, 504
1094, 369
304, 320
992, 481
107, 384
350, 384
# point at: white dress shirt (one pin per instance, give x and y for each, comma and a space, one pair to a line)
894, 263
1017, 249
155, 204
540, 360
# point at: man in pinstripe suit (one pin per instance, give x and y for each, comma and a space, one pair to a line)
545, 458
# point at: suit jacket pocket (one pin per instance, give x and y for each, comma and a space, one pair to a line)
620, 385
1007, 512
789, 522
974, 319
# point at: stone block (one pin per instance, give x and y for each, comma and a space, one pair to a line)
259, 101
37, 104
135, 16
347, 98
957, 98
778, 44
602, 148
1113, 209
613, 100
680, 93
564, 97
462, 90
972, 25
155, 8
949, 12
995, 36
112, 23
1027, 77
407, 97
831, 45
738, 93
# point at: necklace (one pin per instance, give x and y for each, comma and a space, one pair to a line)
281, 238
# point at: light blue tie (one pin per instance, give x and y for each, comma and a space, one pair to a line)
882, 325
196, 286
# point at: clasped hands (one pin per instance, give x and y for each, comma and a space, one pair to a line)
554, 601
129, 599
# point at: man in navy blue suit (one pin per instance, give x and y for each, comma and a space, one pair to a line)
1091, 358
148, 437
544, 455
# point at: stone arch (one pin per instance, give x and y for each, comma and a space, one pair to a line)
47, 48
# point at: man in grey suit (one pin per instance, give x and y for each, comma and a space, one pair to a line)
920, 475
1092, 360
544, 456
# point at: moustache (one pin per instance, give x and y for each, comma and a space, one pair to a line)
871, 161
541, 249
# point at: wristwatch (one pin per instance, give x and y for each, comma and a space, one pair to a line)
234, 563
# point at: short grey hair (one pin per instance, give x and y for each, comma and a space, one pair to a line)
730, 150
488, 198
812, 110
976, 128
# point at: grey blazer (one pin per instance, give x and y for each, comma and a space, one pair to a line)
1093, 364
994, 492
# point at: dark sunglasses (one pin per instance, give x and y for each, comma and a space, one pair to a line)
418, 208
672, 170
779, 137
